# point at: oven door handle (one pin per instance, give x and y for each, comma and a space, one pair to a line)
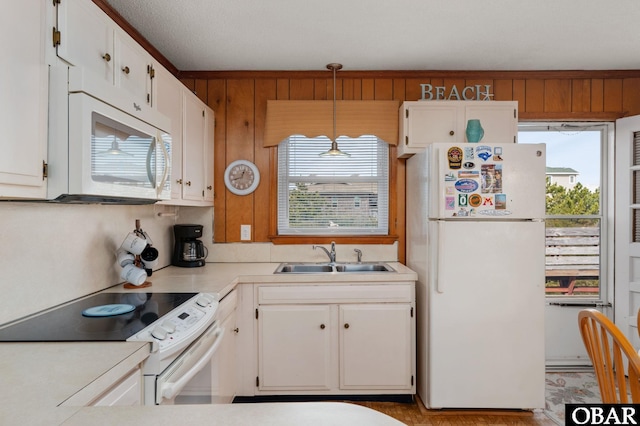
171, 389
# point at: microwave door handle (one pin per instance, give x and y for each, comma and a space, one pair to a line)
167, 164
151, 175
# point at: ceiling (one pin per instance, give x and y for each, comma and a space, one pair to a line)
246, 35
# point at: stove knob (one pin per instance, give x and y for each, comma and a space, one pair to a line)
169, 326
204, 300
159, 333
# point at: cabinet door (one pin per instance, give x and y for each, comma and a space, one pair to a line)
86, 38
128, 392
169, 102
193, 148
23, 104
498, 120
208, 155
226, 374
132, 69
294, 347
426, 123
434, 123
376, 346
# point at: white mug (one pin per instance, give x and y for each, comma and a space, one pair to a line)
134, 275
124, 258
133, 243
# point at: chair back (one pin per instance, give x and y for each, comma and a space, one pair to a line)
615, 361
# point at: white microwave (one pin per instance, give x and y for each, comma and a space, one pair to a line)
112, 151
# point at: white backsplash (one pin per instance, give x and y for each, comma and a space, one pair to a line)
52, 253
268, 252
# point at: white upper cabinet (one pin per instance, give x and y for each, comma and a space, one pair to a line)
23, 104
192, 127
425, 122
88, 38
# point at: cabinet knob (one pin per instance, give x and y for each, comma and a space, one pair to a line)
346, 325
188, 183
125, 70
106, 57
179, 181
452, 133
236, 330
209, 187
322, 326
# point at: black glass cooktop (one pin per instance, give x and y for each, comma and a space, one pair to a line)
68, 324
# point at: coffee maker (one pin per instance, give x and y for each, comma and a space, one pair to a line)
188, 252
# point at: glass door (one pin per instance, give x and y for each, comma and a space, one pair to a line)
577, 233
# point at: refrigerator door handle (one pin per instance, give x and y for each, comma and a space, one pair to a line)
440, 258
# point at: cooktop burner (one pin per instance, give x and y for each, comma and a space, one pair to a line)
68, 324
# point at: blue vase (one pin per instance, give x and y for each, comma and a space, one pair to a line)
474, 131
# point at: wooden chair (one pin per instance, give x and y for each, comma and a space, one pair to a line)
615, 361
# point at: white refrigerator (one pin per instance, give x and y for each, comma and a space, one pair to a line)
476, 238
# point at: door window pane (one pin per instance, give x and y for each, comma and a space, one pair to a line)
573, 205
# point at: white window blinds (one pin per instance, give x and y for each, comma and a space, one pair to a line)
333, 195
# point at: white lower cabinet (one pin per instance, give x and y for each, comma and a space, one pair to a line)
128, 391
294, 349
328, 339
375, 346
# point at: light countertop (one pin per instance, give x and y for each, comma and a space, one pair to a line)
48, 383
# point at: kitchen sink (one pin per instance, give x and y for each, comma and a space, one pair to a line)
320, 268
303, 268
364, 267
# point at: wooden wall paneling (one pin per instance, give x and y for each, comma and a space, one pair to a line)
265, 90
216, 97
412, 88
503, 90
613, 94
534, 95
240, 210
557, 95
383, 89
580, 95
347, 89
190, 83
301, 89
368, 89
519, 88
399, 87
631, 100
597, 95
201, 90
321, 89
357, 89
282, 89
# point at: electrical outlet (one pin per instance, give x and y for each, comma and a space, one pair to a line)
245, 232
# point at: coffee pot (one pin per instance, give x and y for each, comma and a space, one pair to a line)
189, 251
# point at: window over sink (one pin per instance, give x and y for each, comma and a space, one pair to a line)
333, 195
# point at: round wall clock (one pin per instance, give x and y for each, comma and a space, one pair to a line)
242, 177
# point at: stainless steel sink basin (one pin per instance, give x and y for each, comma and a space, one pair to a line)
364, 267
324, 268
303, 268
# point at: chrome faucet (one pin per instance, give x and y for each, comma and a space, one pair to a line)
359, 253
331, 254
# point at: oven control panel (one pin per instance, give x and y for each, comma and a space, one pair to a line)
180, 327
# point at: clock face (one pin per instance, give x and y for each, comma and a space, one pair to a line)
242, 177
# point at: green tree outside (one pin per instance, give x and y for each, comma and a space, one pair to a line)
576, 201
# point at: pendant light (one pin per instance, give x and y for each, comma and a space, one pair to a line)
115, 149
334, 151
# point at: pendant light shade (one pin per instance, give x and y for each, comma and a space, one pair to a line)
334, 151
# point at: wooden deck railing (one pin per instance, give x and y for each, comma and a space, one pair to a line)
572, 254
